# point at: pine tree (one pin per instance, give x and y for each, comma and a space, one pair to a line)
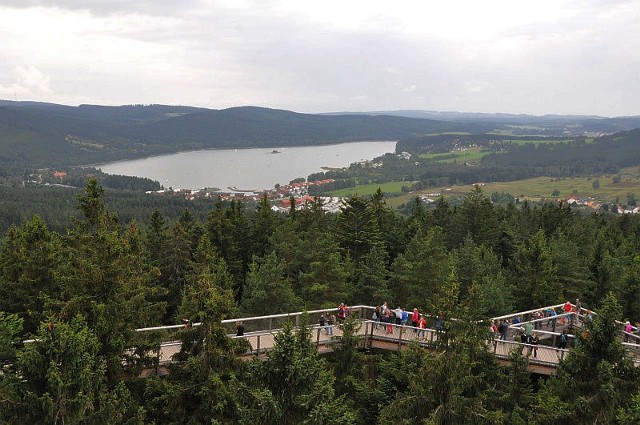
596, 379
30, 259
324, 280
421, 271
475, 217
62, 374
104, 279
455, 382
267, 290
535, 275
294, 385
264, 224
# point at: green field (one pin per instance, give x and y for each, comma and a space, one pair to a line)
537, 142
370, 189
539, 188
471, 154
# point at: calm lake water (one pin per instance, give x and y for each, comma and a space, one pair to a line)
247, 169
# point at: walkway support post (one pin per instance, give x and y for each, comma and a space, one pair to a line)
371, 335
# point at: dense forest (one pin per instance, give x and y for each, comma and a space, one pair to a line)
504, 158
80, 292
36, 135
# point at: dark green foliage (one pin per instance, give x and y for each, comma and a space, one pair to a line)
53, 135
92, 285
294, 385
596, 379
30, 259
535, 277
267, 290
63, 374
455, 382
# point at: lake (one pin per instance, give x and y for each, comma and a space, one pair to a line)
247, 169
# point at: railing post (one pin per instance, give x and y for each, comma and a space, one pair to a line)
258, 346
366, 334
297, 320
318, 338
400, 338
371, 334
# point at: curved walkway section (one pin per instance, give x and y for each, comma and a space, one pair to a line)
543, 357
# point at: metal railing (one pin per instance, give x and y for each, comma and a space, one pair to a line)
162, 343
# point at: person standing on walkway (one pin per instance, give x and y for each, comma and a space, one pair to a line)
503, 328
415, 318
528, 331
577, 311
323, 323
387, 318
330, 322
342, 313
534, 343
568, 308
563, 339
627, 330
422, 325
405, 317
398, 313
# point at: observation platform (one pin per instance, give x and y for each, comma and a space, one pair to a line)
260, 334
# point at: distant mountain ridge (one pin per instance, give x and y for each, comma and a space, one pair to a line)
587, 123
38, 134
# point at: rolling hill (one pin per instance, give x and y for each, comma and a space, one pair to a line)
35, 134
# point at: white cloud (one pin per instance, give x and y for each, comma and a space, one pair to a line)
29, 84
544, 56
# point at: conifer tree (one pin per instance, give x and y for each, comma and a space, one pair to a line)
294, 385
267, 289
30, 258
422, 270
104, 280
62, 374
596, 379
535, 275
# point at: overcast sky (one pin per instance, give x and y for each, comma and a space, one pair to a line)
519, 56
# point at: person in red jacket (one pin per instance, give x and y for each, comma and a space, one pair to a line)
415, 318
568, 308
422, 325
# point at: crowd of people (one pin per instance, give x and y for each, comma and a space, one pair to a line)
549, 318
525, 331
384, 316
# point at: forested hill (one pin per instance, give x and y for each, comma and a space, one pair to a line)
251, 126
40, 134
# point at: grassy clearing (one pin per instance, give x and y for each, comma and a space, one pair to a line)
537, 142
539, 188
370, 189
468, 155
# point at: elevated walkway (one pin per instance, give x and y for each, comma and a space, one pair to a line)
260, 334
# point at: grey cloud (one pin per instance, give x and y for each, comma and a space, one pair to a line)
224, 56
108, 7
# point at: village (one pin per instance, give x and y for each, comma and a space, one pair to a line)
280, 196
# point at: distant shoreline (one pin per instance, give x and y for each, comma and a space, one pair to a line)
269, 148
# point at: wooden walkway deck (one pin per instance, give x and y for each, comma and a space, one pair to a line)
543, 358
